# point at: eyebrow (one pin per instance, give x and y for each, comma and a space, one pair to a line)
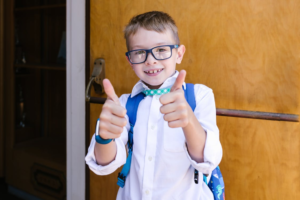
142, 47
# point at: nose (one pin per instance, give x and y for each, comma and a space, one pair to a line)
150, 59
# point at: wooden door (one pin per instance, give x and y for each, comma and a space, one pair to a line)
248, 52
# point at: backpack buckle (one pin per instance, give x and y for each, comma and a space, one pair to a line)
130, 137
121, 176
196, 176
121, 180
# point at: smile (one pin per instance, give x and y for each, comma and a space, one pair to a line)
153, 71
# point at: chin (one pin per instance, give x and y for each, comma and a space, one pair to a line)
154, 83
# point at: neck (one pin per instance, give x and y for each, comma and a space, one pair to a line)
152, 86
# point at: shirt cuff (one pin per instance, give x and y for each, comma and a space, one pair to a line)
119, 160
212, 154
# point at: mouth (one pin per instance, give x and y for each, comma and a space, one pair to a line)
153, 71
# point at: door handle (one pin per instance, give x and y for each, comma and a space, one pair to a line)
99, 74
96, 80
258, 115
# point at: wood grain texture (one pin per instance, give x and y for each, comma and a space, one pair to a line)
252, 47
260, 158
248, 52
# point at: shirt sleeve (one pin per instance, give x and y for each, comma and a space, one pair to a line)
120, 158
205, 112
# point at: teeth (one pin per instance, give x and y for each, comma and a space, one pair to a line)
155, 71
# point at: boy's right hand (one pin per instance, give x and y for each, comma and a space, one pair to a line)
112, 117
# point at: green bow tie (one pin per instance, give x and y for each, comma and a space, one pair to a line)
156, 92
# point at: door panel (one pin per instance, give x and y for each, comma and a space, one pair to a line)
248, 53
260, 158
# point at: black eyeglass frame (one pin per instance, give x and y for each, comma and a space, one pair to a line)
150, 51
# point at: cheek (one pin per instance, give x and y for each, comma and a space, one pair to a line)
171, 64
173, 59
135, 68
138, 70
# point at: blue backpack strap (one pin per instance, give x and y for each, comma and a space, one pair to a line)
190, 95
131, 107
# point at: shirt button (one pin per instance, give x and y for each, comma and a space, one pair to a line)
157, 97
152, 127
149, 158
147, 192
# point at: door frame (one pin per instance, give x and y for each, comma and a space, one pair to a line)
76, 112
1, 88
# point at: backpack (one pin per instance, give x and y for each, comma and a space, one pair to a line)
216, 183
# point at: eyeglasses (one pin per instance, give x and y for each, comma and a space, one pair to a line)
159, 53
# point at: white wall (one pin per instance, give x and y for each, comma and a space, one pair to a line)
75, 99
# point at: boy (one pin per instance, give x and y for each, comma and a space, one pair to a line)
170, 140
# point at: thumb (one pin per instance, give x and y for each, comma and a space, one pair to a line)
110, 92
179, 81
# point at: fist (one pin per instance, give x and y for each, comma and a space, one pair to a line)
112, 117
175, 108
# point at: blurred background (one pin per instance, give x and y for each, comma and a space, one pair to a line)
33, 100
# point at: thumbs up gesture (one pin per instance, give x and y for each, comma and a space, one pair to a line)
112, 117
175, 108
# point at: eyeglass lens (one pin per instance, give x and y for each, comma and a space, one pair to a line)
159, 53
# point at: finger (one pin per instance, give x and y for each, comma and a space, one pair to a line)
167, 98
168, 108
117, 110
110, 128
178, 123
171, 97
110, 92
179, 81
173, 116
113, 119
105, 134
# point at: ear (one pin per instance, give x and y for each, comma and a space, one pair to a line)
129, 62
180, 53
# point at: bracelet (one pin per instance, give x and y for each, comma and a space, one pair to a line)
99, 139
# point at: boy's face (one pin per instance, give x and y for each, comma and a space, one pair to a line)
154, 72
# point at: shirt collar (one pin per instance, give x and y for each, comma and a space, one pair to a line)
140, 86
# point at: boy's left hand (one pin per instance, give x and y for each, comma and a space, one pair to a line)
175, 108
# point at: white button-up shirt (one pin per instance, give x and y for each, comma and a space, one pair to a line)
161, 167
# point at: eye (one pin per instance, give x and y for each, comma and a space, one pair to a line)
139, 52
161, 50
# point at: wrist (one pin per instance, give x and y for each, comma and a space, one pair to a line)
192, 123
102, 141
98, 138
190, 117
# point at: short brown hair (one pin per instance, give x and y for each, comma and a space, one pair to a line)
154, 21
